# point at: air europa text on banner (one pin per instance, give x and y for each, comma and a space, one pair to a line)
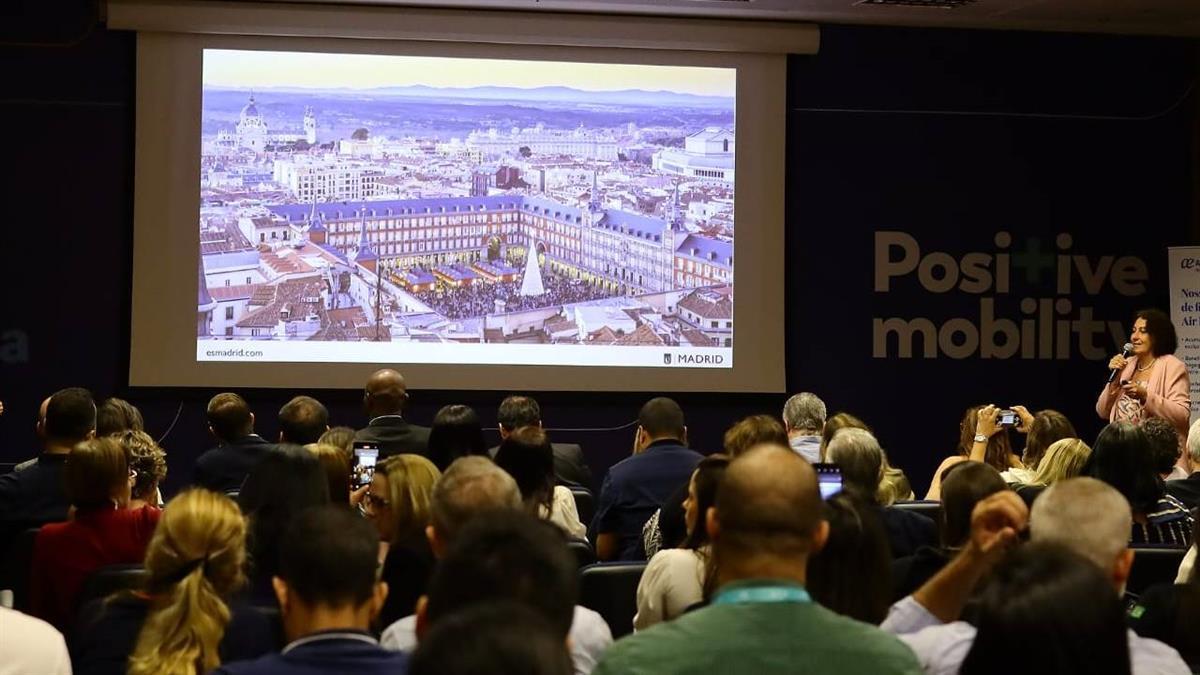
1184, 264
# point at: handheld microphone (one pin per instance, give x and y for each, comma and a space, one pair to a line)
1125, 352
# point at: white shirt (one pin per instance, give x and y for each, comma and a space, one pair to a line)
671, 582
564, 514
590, 637
1185, 568
30, 646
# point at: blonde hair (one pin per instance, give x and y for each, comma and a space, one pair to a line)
410, 480
1062, 460
194, 559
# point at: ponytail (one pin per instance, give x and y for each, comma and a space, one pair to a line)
181, 634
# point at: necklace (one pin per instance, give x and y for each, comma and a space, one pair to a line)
1148, 367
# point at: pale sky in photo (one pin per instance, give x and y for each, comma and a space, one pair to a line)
247, 69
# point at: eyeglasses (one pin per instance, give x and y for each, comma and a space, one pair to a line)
375, 501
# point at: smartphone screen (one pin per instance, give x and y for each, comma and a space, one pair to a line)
1009, 418
829, 479
365, 456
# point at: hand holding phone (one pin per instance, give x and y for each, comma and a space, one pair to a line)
366, 454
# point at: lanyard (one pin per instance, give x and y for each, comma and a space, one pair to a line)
762, 595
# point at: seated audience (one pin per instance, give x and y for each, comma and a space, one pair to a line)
636, 486
148, 466
1170, 613
851, 573
183, 622
33, 494
1062, 460
470, 488
341, 438
894, 486
678, 578
966, 484
860, 458
1122, 458
116, 415
456, 432
766, 523
1164, 446
225, 467
337, 470
505, 638
302, 420
398, 503
384, 401
804, 420
1082, 514
1187, 490
836, 423
286, 481
1041, 430
751, 431
981, 439
102, 532
570, 467
526, 455
30, 646
328, 595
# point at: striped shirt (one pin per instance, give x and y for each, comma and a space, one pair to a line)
1169, 524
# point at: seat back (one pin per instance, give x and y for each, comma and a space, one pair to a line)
1153, 565
112, 579
585, 504
582, 550
928, 508
14, 567
611, 590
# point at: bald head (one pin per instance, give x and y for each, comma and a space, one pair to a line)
386, 393
1086, 515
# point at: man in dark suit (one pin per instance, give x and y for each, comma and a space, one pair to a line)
239, 449
1187, 490
570, 468
385, 399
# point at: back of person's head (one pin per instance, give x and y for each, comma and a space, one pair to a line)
470, 487
195, 561
662, 417
752, 431
96, 474
804, 412
229, 417
835, 424
506, 556
302, 420
337, 470
858, 455
341, 438
1063, 459
287, 480
1058, 612
852, 574
146, 460
329, 557
1085, 515
1121, 457
116, 415
1193, 443
1164, 443
527, 456
504, 638
70, 415
410, 484
456, 432
965, 484
702, 495
999, 449
518, 411
1048, 427
385, 393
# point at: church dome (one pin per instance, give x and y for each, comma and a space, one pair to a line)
250, 111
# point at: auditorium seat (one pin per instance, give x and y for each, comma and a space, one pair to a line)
611, 590
928, 508
14, 567
111, 579
585, 504
582, 550
1153, 565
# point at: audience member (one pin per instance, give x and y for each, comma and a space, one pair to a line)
116, 415
1170, 613
456, 432
286, 481
804, 420
183, 622
894, 486
860, 458
751, 431
1063, 459
570, 467
225, 467
636, 486
982, 439
1122, 458
678, 578
836, 423
1041, 430
1084, 515
1187, 490
398, 503
851, 574
766, 523
30, 646
302, 420
1164, 447
102, 532
328, 595
147, 465
341, 438
505, 638
337, 470
33, 494
384, 401
526, 455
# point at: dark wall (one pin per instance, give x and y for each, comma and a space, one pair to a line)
1033, 135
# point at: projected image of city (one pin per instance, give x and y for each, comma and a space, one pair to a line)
371, 198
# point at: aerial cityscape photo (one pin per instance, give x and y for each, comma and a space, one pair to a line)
354, 197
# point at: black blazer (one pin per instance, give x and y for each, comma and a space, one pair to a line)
395, 436
570, 467
1186, 490
225, 467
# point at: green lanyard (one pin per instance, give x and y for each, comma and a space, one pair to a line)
762, 595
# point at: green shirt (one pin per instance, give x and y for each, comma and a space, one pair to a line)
759, 639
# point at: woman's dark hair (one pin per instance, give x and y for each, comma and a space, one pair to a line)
287, 480
1164, 443
1160, 329
963, 486
456, 432
1048, 426
528, 457
502, 638
116, 415
1066, 601
709, 473
1121, 457
999, 451
836, 423
852, 573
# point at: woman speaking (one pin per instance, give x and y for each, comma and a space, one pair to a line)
1151, 381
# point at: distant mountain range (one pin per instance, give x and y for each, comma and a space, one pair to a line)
554, 94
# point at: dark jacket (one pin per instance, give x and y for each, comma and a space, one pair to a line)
395, 436
333, 652
1186, 490
34, 495
907, 531
225, 467
570, 467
